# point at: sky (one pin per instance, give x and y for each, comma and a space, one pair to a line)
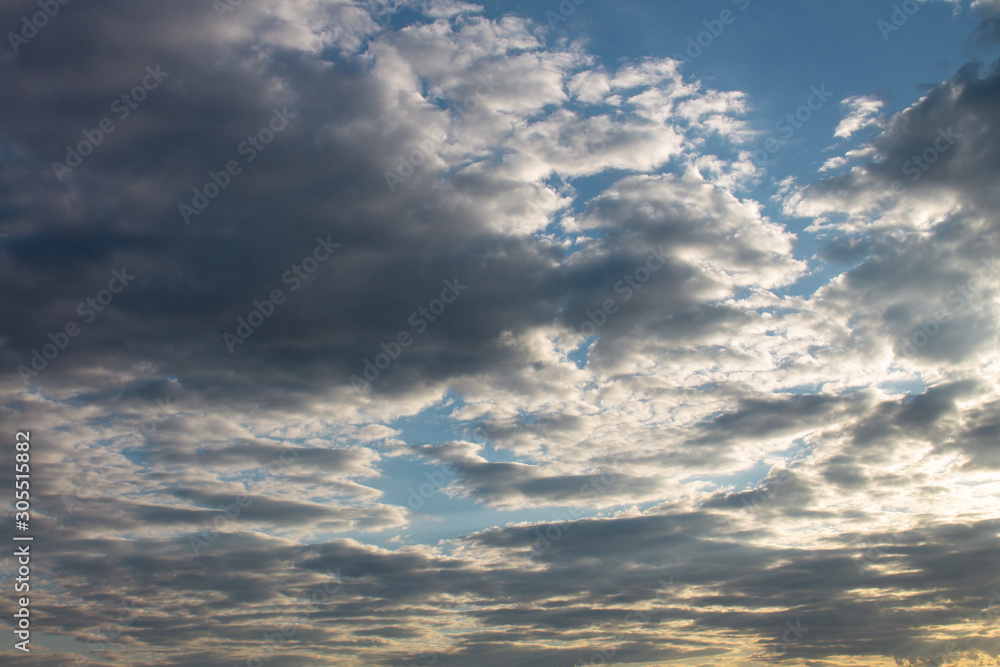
556, 333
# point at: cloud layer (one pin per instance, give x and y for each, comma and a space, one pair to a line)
686, 427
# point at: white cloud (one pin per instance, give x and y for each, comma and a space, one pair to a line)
860, 112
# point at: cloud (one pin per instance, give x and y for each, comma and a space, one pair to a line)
989, 20
787, 407
860, 111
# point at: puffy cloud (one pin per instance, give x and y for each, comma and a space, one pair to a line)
861, 111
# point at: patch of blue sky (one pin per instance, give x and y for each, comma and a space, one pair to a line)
581, 355
427, 426
754, 475
802, 389
910, 386
742, 480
